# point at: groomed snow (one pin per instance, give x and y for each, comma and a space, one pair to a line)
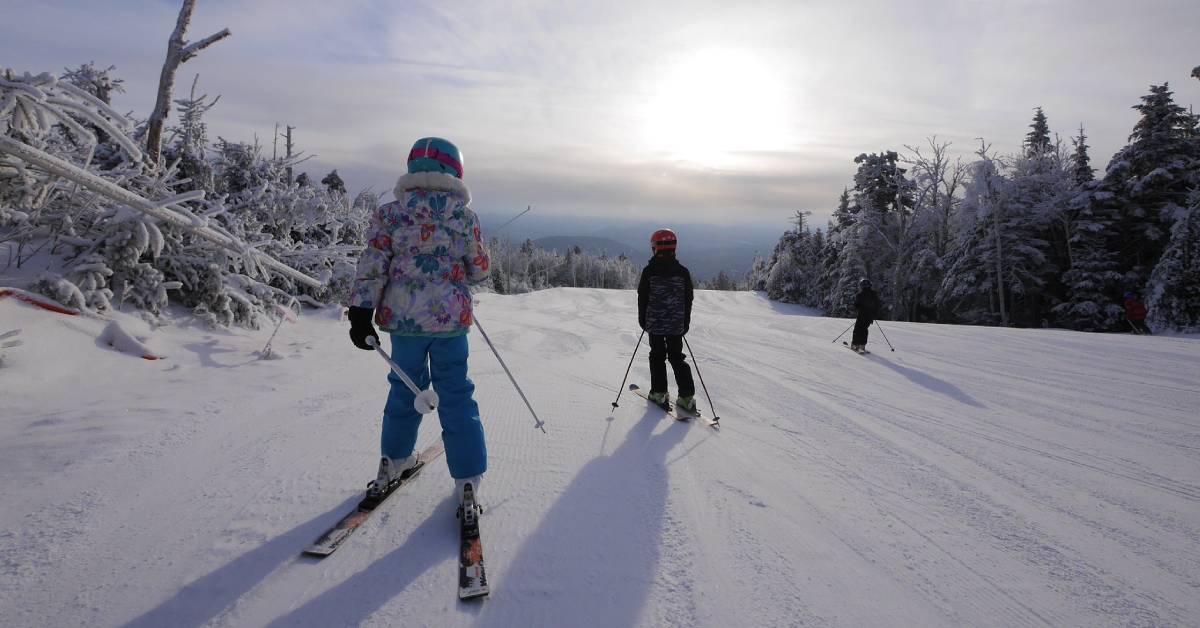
976, 476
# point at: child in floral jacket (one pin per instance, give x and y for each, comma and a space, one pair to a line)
423, 250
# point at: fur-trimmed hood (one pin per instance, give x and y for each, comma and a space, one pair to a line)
432, 181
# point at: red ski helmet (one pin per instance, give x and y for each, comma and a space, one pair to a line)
662, 241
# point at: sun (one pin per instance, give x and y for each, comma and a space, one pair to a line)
712, 104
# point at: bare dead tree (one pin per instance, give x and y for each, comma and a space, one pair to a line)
178, 52
938, 180
288, 148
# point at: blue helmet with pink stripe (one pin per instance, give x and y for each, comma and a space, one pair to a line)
434, 154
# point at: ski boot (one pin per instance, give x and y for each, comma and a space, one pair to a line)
466, 491
659, 399
687, 404
391, 472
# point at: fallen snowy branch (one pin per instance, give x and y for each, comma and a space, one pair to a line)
116, 193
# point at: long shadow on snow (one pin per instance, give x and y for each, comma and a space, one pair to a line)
354, 600
200, 601
932, 383
594, 557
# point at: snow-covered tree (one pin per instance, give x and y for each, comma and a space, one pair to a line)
1081, 163
887, 232
207, 228
1151, 178
100, 83
1038, 139
937, 182
334, 183
1092, 282
1173, 294
998, 259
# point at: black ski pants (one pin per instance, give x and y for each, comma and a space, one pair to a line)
861, 327
665, 349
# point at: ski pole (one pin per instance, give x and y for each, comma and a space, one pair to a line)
285, 314
626, 378
716, 418
843, 332
537, 422
889, 342
426, 401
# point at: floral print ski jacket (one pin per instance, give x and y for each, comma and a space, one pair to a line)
423, 249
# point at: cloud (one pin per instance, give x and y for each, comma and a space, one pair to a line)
548, 100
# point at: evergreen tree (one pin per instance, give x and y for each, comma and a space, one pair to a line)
1151, 179
1092, 282
851, 266
998, 265
723, 282
844, 215
1174, 290
334, 183
887, 234
99, 83
1081, 163
188, 142
1037, 192
1037, 141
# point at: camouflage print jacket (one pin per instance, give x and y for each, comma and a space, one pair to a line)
665, 297
423, 249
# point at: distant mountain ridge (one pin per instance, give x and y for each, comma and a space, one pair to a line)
705, 249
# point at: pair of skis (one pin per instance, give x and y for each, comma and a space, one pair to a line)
472, 580
675, 412
863, 352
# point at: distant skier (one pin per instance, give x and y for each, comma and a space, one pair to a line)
423, 250
866, 304
1135, 313
665, 312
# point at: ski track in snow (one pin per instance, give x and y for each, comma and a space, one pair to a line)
973, 477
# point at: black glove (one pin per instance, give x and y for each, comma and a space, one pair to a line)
361, 327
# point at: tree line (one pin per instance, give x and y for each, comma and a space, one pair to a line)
1032, 239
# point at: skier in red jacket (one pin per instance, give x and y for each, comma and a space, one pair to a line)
1135, 313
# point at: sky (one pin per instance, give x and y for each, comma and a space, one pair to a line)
682, 111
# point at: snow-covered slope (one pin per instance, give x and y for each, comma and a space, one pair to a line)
976, 476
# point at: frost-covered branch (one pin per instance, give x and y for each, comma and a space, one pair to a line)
157, 210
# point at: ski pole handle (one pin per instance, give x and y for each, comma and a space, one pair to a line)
426, 401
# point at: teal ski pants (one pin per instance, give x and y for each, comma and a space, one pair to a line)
445, 359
